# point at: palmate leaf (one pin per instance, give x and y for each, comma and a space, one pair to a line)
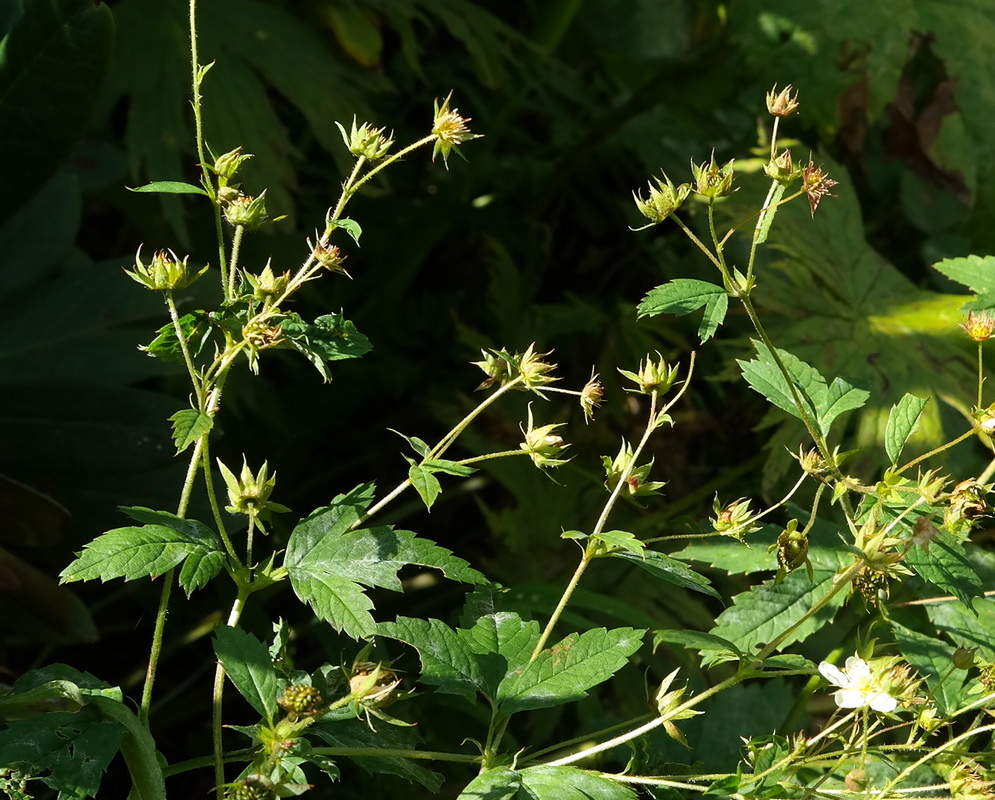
330, 564
52, 63
975, 272
967, 625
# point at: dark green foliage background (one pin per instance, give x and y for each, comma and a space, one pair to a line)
580, 102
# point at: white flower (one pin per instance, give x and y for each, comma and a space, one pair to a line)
858, 687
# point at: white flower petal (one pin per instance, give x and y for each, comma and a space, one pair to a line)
850, 698
832, 674
883, 702
857, 669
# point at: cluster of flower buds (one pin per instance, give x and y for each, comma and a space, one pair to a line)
164, 273
501, 368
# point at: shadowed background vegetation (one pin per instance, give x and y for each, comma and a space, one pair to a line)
579, 102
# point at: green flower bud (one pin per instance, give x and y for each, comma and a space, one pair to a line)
164, 273
663, 200
449, 130
365, 141
782, 169
711, 180
228, 164
652, 377
963, 657
543, 446
266, 285
249, 494
248, 212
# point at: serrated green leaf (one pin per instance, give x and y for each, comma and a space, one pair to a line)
696, 640
329, 565
504, 643
931, 658
248, 665
968, 625
563, 672
69, 751
733, 556
945, 565
764, 377
822, 402
902, 423
570, 783
622, 540
358, 733
425, 483
501, 783
668, 569
764, 612
191, 529
168, 187
449, 467
843, 396
188, 426
130, 553
48, 698
200, 568
330, 338
448, 662
166, 345
975, 272
682, 296
787, 661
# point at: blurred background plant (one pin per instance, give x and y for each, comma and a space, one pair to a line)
578, 101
